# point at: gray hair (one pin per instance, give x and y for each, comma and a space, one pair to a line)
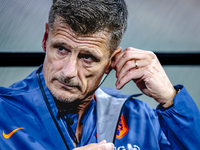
90, 16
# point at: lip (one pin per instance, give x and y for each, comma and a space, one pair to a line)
65, 86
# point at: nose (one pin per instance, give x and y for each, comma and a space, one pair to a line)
70, 68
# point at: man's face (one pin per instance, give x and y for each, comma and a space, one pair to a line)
74, 65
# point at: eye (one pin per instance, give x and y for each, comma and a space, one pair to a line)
87, 58
62, 50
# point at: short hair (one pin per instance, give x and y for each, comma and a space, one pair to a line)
90, 16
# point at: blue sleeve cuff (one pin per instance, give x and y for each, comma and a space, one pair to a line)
181, 102
181, 121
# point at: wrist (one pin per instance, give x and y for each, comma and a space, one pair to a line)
168, 104
170, 101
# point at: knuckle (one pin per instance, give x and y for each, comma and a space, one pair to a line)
151, 54
129, 49
126, 54
129, 64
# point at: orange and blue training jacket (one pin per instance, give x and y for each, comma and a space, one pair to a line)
27, 123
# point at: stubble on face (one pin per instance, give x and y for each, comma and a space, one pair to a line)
62, 87
67, 82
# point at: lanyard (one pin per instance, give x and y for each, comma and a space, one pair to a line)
48, 106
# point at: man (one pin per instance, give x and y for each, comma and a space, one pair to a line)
59, 106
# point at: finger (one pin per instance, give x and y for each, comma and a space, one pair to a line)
102, 142
133, 74
107, 146
128, 54
103, 145
121, 60
131, 65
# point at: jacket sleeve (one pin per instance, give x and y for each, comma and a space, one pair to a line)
181, 122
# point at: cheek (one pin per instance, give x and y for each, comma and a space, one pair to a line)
93, 77
50, 68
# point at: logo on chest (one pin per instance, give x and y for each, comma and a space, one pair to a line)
122, 128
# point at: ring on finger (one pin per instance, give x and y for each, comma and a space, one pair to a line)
136, 65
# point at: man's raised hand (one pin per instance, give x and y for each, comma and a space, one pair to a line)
144, 68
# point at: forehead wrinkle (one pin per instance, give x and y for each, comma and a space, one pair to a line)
94, 39
69, 45
67, 28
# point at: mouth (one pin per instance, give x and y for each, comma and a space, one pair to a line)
68, 86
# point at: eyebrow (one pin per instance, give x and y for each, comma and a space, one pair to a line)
90, 52
60, 43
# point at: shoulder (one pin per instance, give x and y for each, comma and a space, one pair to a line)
139, 108
25, 85
20, 91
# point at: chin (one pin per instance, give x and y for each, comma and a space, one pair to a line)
68, 100
64, 96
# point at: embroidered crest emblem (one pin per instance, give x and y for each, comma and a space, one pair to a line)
122, 128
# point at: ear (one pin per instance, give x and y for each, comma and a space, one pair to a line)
44, 41
109, 68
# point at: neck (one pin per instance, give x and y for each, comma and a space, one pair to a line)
77, 107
